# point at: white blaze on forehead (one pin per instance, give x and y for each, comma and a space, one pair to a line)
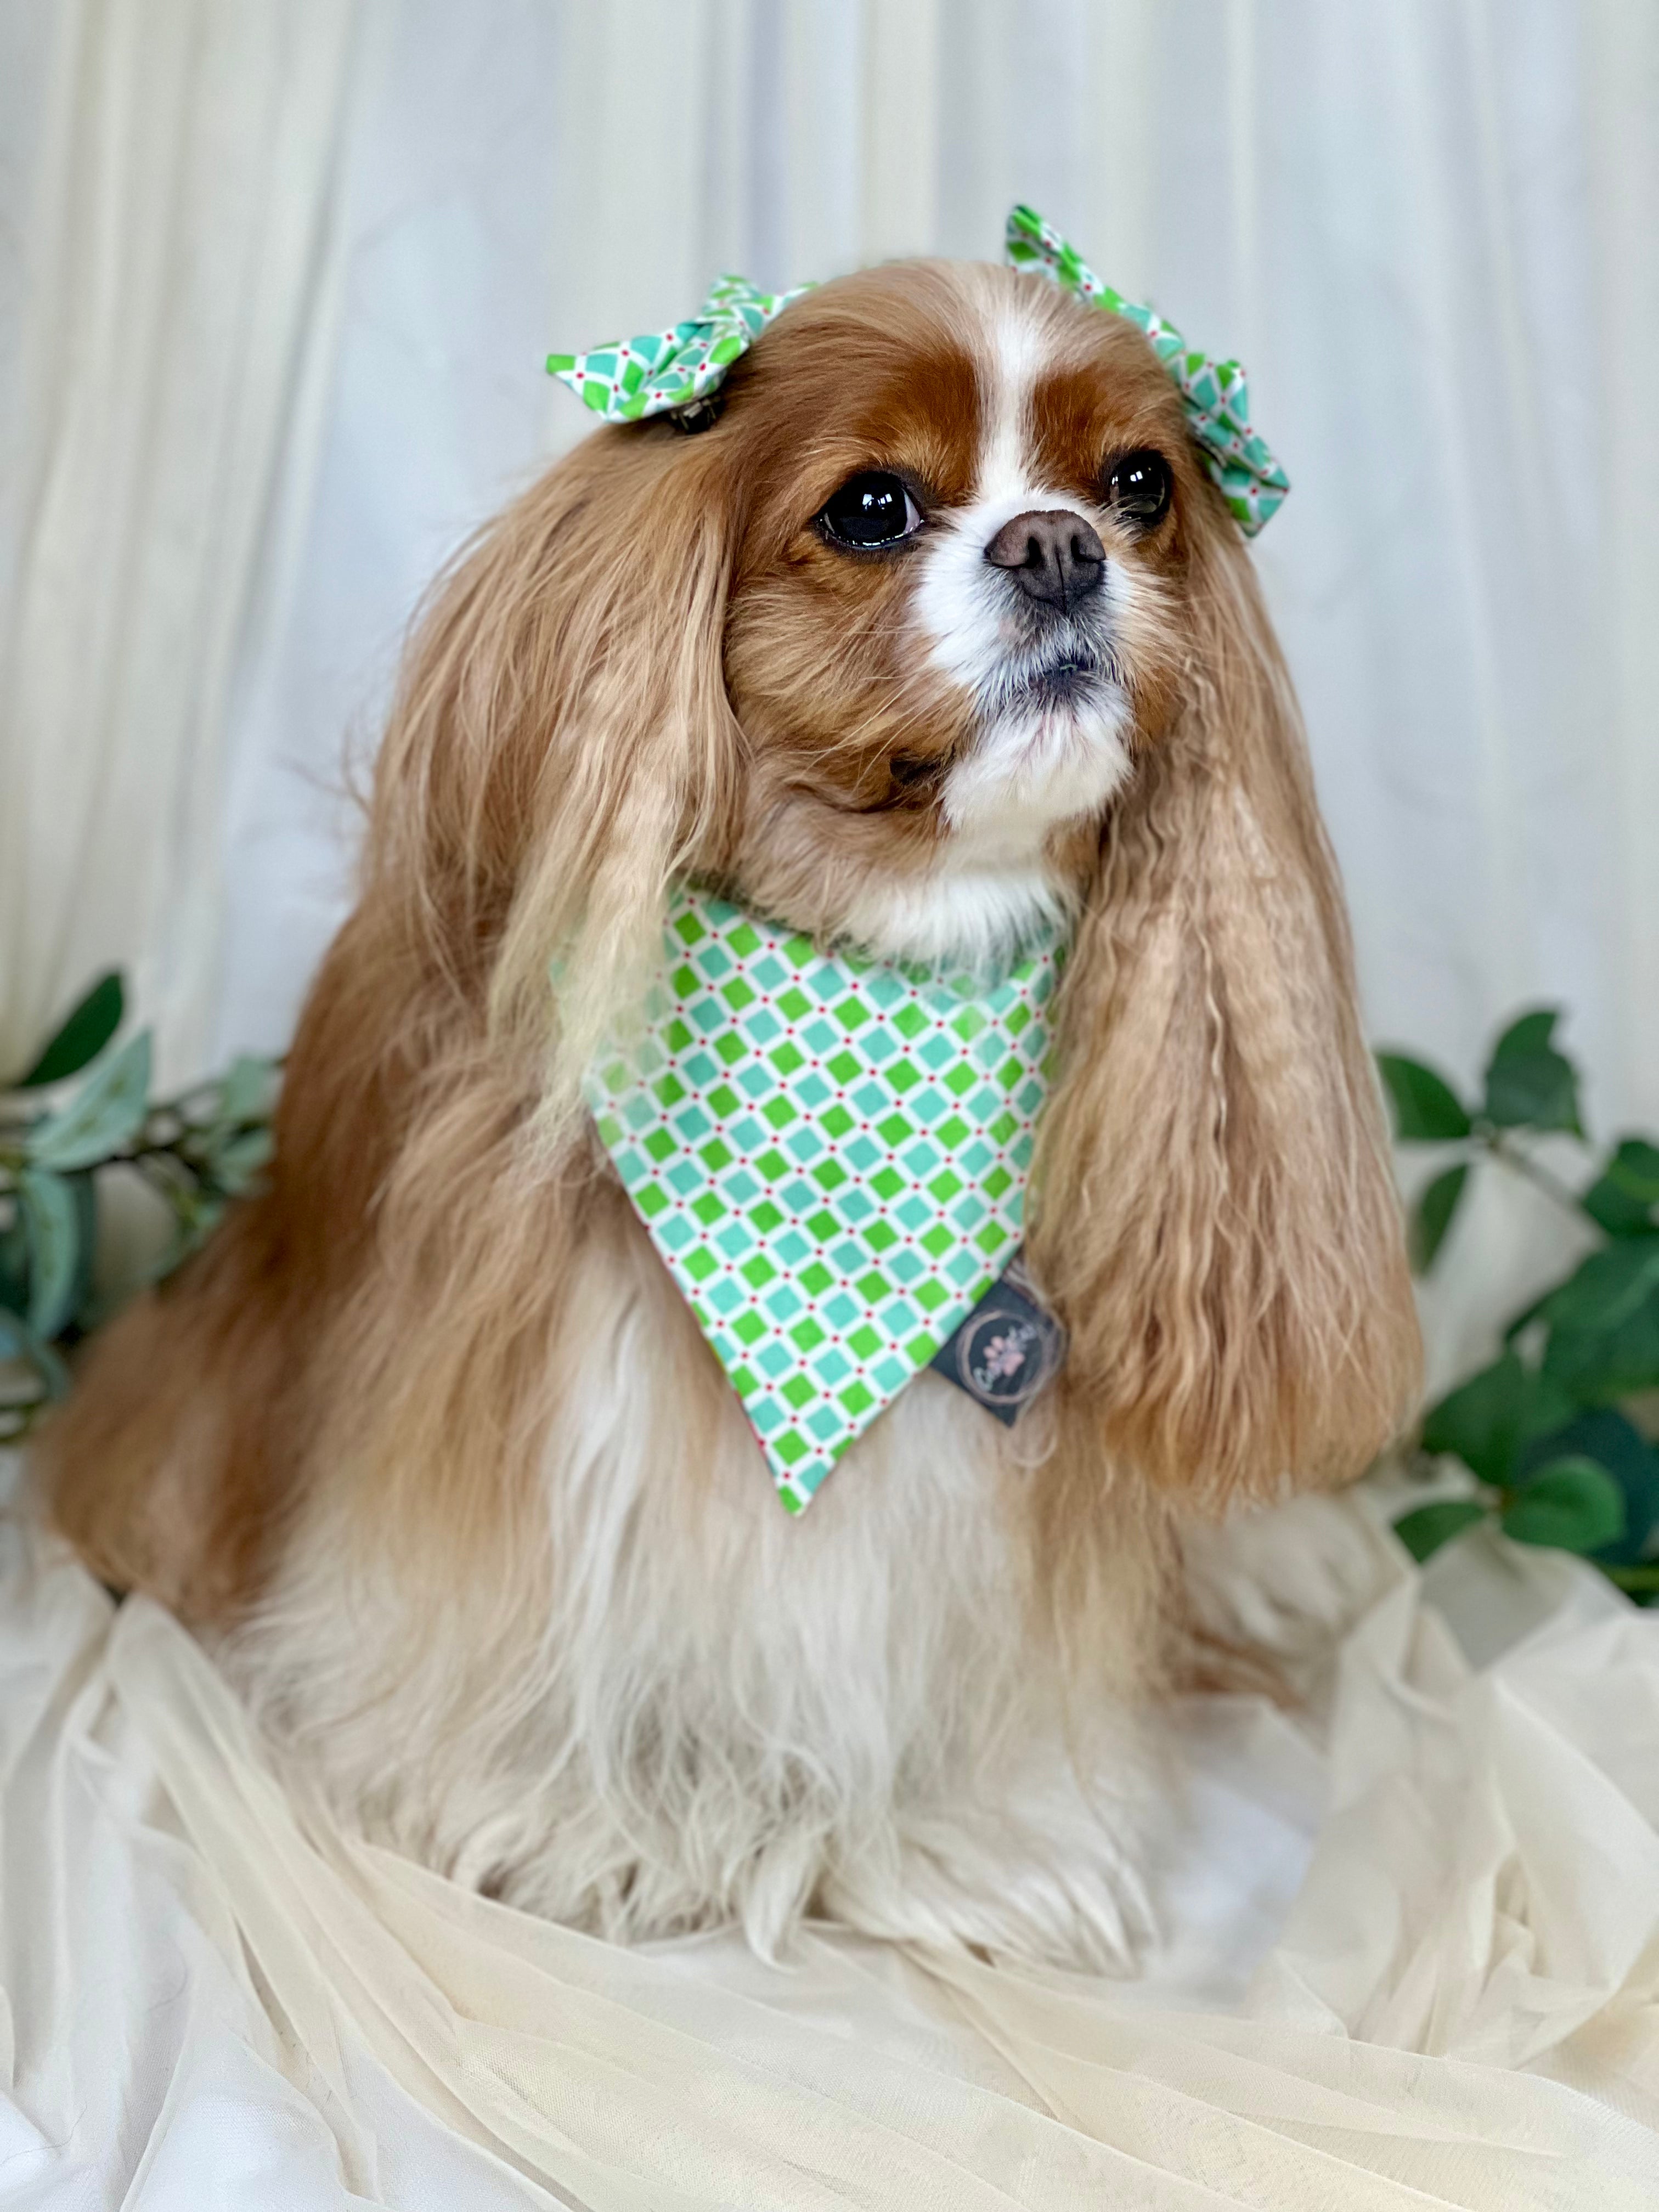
961, 599
1012, 360
1030, 766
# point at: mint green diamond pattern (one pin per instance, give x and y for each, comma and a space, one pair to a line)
1214, 393
662, 369
831, 1156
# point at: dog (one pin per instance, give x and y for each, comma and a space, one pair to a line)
937, 635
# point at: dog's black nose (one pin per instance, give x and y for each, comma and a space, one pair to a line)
1052, 554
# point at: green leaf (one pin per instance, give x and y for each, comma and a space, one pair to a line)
51, 1220
1572, 1505
1530, 1084
1529, 1033
236, 1164
1598, 1366
83, 1037
19, 1342
246, 1091
197, 1213
1433, 1214
1426, 1109
1635, 1167
1621, 1199
107, 1110
1613, 1443
1607, 1288
14, 1264
1423, 1532
1487, 1421
1612, 1209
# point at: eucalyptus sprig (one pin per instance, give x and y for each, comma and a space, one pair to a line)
197, 1152
1554, 1429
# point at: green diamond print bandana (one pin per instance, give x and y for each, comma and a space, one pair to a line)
661, 370
1214, 393
830, 1155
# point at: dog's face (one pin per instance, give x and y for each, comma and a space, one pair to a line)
963, 508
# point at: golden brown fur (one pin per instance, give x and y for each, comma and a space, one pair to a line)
653, 665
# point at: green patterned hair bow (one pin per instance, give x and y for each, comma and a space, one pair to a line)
662, 370
1214, 393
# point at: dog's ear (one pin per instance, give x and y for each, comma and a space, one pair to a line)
1216, 1214
562, 744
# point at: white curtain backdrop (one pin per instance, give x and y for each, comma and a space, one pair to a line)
172, 186
277, 282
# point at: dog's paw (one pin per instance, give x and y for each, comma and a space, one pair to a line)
1066, 1893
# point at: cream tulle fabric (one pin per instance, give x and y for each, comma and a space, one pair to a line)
213, 2000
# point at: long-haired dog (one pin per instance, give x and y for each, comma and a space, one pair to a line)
428, 1442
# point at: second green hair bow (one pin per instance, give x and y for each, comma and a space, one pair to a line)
662, 371
1214, 393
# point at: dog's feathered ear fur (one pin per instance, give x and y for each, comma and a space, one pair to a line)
560, 745
1215, 1213
563, 745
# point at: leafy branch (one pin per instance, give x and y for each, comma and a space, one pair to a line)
196, 1151
1551, 1429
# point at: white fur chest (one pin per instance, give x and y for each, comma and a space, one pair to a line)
694, 1705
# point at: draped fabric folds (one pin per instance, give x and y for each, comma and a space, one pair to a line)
1447, 1888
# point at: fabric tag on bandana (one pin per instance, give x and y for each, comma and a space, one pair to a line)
830, 1155
1008, 1350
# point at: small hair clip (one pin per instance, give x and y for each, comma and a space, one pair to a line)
701, 415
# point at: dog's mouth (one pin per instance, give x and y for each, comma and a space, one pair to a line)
1061, 685
1073, 678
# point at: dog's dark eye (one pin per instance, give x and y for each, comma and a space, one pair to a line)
1139, 488
870, 510
908, 773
